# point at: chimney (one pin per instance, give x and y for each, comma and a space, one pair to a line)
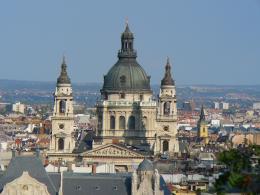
94, 169
37, 152
69, 164
46, 162
13, 153
59, 164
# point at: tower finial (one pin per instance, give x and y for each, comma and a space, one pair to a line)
127, 30
63, 59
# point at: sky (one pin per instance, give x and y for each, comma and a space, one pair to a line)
208, 42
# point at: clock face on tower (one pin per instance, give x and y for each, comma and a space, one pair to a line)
166, 128
61, 126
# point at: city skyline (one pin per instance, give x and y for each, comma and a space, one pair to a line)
205, 41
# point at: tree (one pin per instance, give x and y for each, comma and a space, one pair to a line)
239, 173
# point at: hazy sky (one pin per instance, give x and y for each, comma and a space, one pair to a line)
208, 41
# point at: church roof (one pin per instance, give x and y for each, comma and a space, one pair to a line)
33, 166
98, 184
74, 183
126, 75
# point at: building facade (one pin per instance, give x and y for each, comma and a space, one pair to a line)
18, 107
128, 113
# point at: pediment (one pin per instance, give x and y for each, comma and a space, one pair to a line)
112, 150
60, 134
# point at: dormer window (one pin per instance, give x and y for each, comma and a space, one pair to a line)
123, 79
78, 187
122, 95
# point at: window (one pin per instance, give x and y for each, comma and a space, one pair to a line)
141, 97
131, 123
112, 122
166, 108
61, 144
105, 96
122, 95
122, 80
130, 45
165, 146
121, 122
78, 187
62, 106
144, 122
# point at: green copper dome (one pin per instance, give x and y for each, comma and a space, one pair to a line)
126, 75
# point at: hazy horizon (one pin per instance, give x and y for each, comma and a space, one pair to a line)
208, 42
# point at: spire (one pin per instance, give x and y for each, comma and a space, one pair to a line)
63, 78
127, 44
127, 30
202, 114
167, 79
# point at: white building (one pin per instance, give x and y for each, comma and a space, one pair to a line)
18, 107
224, 105
216, 105
215, 123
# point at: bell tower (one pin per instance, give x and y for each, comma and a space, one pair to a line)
202, 127
167, 115
62, 139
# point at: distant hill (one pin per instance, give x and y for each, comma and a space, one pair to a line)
33, 92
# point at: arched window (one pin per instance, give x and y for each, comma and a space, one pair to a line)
131, 123
61, 144
62, 106
130, 45
166, 108
144, 122
121, 122
165, 146
112, 122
